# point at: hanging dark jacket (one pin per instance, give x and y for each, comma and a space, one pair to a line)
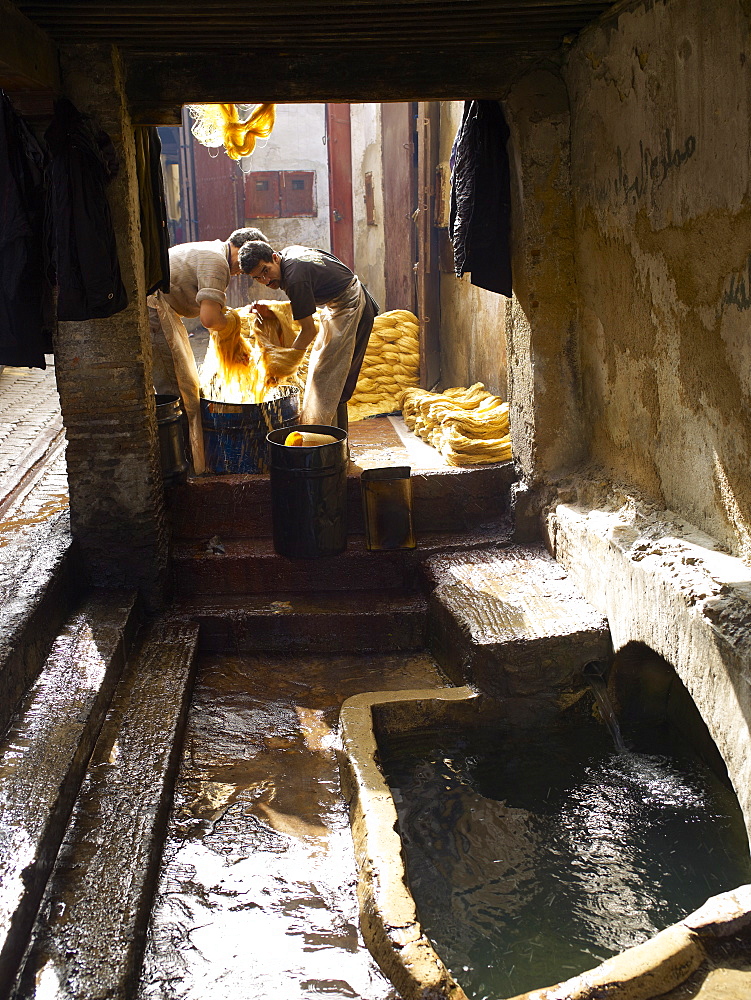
26, 299
154, 228
480, 205
82, 238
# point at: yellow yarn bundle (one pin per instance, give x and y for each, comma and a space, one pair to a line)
468, 426
241, 357
391, 365
221, 125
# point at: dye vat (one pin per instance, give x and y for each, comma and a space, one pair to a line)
534, 855
234, 434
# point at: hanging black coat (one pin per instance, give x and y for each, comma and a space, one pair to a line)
154, 229
480, 207
26, 300
82, 238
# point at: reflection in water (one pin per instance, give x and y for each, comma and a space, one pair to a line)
257, 895
532, 858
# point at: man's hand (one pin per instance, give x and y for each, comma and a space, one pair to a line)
261, 309
307, 334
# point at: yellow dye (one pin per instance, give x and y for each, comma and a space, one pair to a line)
235, 369
307, 439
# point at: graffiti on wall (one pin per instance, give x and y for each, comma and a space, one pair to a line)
738, 292
653, 169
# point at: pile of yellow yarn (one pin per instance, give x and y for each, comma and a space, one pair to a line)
391, 365
467, 426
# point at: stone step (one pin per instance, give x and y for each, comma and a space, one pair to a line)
358, 621
251, 566
44, 753
40, 585
89, 937
510, 622
442, 500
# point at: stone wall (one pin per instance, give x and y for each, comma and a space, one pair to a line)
543, 359
660, 98
103, 370
662, 583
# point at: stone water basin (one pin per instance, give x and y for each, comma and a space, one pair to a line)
705, 954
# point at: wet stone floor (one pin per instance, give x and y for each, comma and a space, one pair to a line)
257, 892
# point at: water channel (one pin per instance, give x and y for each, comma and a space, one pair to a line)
534, 855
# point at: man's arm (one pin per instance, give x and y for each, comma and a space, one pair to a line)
307, 334
211, 315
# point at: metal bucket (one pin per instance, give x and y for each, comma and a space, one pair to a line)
172, 457
309, 494
234, 434
387, 508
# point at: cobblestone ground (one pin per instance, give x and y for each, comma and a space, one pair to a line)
33, 477
30, 426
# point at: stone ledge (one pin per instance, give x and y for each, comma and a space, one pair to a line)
662, 582
388, 917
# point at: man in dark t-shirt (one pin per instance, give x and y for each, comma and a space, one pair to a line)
314, 279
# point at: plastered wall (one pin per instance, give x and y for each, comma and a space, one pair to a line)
297, 143
366, 158
660, 140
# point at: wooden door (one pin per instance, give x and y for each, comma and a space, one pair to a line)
338, 140
399, 202
428, 274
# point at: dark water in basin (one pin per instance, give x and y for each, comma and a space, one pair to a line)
533, 856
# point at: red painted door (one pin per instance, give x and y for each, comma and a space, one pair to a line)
220, 193
338, 140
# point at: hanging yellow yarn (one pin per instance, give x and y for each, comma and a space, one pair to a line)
467, 426
222, 125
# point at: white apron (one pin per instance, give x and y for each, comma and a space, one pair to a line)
186, 373
331, 356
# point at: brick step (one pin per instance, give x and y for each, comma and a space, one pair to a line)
442, 500
360, 621
44, 753
245, 566
91, 928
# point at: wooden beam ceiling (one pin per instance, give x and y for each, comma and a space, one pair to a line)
28, 59
314, 50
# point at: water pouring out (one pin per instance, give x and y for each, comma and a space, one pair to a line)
595, 673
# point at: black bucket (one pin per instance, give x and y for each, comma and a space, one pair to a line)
309, 494
234, 434
172, 456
